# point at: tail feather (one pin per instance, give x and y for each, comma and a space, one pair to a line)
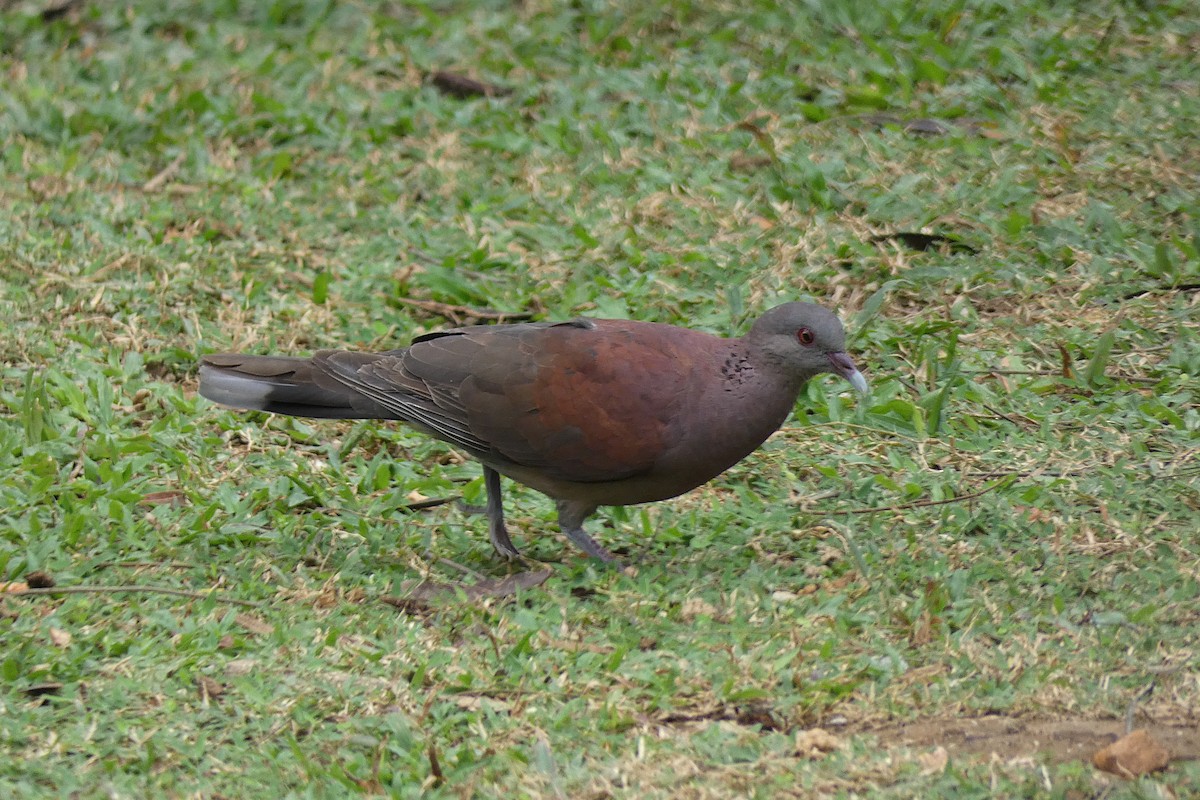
280, 385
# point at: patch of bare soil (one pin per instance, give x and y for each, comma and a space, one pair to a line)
1057, 740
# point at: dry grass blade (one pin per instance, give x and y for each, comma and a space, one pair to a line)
459, 314
133, 589
421, 594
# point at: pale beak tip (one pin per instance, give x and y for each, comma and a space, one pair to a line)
844, 366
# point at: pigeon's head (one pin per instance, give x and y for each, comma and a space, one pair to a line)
804, 340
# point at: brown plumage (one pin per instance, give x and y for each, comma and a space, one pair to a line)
589, 412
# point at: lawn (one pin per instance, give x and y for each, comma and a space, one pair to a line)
960, 585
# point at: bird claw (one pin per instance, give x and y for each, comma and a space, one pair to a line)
587, 544
501, 543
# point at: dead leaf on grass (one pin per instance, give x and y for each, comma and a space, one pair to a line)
1134, 754
572, 645
255, 625
695, 607
1066, 361
928, 126
408, 605
328, 597
60, 638
934, 762
916, 240
476, 702
922, 631
240, 666
457, 85
40, 580
742, 162
209, 688
168, 497
42, 689
815, 743
760, 714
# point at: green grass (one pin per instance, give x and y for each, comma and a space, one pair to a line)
1005, 526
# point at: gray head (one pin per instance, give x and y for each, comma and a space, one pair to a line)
805, 340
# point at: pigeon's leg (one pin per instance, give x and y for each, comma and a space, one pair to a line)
570, 519
495, 514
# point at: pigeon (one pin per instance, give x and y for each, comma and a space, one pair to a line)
590, 412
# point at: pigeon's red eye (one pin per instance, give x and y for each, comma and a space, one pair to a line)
805, 336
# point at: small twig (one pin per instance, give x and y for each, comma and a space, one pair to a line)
495, 646
1044, 373
1041, 473
456, 85
1006, 417
134, 589
423, 505
435, 766
144, 565
456, 313
386, 336
164, 175
1178, 287
809, 499
924, 503
1131, 710
479, 576
855, 551
1140, 470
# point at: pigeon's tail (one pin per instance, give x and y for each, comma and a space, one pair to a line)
281, 385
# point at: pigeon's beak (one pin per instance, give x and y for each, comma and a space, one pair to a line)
842, 365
